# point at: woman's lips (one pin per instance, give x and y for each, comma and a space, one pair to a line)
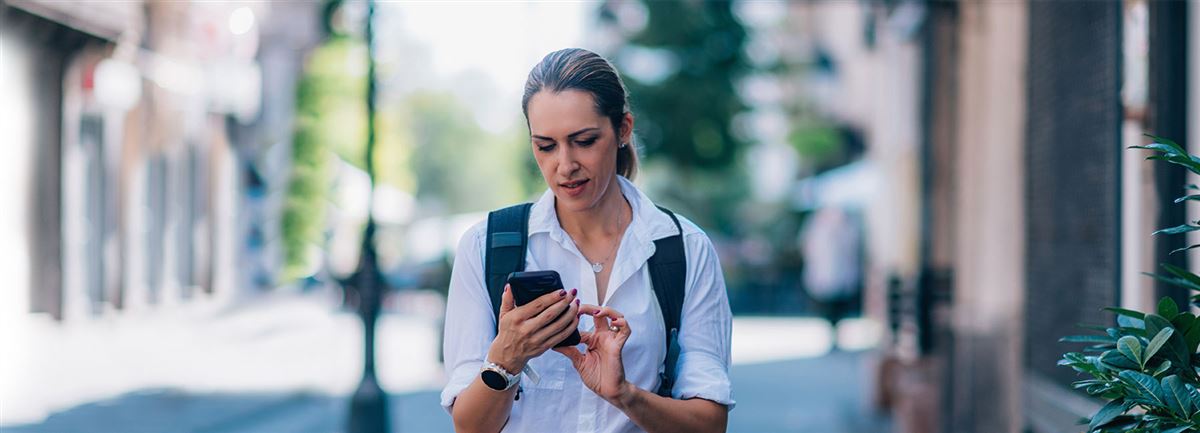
574, 188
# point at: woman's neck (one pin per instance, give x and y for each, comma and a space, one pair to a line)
607, 219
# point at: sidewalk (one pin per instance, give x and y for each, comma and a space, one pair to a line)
279, 344
287, 364
817, 395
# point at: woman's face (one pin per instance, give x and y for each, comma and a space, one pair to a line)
574, 146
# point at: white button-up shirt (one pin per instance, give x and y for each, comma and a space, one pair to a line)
560, 402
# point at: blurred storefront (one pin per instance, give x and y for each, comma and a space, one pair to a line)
1012, 211
144, 133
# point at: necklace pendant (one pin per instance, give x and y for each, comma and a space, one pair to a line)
597, 267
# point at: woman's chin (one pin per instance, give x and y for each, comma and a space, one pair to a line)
570, 203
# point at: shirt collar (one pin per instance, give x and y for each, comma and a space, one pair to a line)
649, 223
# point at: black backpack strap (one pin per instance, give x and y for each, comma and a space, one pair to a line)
507, 235
668, 274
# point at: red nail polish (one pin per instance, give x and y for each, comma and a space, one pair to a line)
562, 292
574, 291
576, 302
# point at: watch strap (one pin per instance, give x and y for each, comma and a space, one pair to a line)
533, 375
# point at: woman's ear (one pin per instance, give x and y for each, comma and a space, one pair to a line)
626, 133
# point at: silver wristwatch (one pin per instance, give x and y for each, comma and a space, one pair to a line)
497, 378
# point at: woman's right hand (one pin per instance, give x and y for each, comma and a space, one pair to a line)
528, 331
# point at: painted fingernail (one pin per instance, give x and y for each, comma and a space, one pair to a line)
576, 302
574, 291
562, 292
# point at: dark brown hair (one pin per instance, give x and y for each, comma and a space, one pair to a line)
583, 70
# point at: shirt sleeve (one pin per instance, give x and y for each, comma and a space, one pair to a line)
706, 329
469, 325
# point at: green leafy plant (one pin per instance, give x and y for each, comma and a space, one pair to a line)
1147, 366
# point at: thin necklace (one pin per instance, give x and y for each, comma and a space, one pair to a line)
599, 266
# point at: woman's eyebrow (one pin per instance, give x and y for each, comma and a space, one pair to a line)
569, 136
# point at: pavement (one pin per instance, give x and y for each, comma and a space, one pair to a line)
288, 364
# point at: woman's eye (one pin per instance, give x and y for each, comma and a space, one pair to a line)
586, 143
545, 148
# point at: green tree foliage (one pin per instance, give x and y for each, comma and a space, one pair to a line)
330, 120
686, 117
684, 120
460, 167
1146, 366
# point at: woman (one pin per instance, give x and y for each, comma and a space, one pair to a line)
597, 230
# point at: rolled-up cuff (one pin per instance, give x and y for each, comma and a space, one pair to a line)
461, 378
703, 376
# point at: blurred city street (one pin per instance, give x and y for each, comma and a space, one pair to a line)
771, 405
187, 371
244, 216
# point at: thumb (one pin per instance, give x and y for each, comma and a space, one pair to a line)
587, 338
506, 300
571, 353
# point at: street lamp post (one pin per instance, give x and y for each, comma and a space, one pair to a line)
369, 405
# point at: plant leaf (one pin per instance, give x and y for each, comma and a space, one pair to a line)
1191, 336
1155, 323
1183, 321
1184, 228
1165, 148
1176, 396
1174, 281
1128, 313
1181, 273
1167, 308
1108, 413
1180, 250
1131, 348
1166, 141
1138, 330
1114, 360
1176, 348
1162, 368
1187, 197
1088, 339
1159, 340
1149, 389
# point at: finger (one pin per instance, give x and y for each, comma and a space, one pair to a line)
604, 318
623, 328
572, 354
599, 322
553, 312
611, 313
561, 336
532, 308
587, 338
559, 329
588, 309
506, 300
546, 300
571, 327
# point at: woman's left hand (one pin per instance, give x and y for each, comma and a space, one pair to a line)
600, 366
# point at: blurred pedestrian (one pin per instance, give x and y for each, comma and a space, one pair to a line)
597, 230
832, 246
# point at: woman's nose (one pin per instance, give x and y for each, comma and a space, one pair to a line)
567, 162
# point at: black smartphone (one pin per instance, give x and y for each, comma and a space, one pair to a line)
527, 286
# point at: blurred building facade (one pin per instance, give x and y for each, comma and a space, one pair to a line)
145, 138
1012, 211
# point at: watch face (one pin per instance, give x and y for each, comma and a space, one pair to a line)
494, 380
